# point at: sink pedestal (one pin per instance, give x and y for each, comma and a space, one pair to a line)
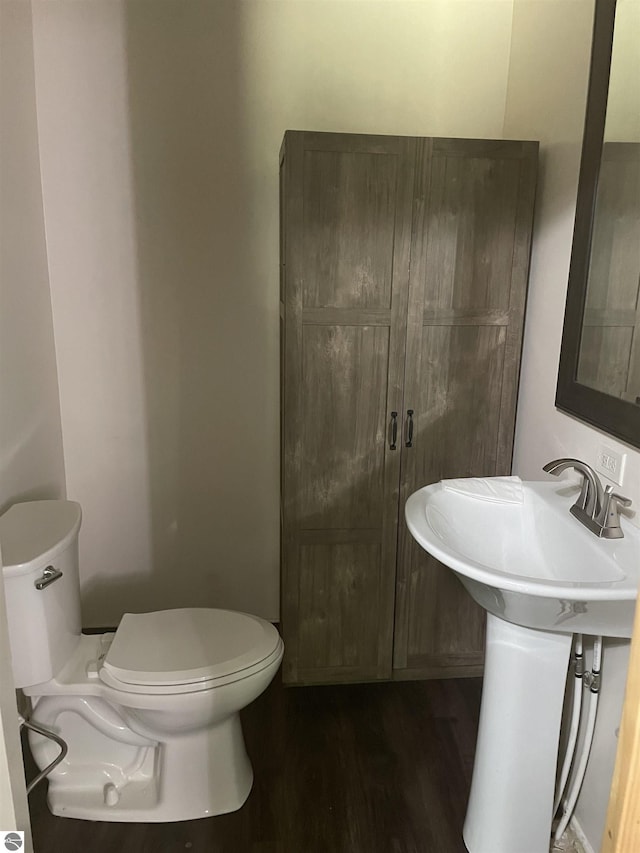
511, 801
528, 562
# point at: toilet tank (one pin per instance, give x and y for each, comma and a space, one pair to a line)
38, 540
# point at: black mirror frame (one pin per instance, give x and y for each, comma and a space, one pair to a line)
611, 414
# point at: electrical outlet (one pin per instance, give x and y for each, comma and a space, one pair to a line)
611, 464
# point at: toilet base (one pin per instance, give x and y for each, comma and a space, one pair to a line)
193, 775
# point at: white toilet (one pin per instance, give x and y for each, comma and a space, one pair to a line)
150, 712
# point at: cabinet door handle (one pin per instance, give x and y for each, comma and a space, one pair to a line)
409, 442
394, 430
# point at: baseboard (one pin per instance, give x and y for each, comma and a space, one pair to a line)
582, 838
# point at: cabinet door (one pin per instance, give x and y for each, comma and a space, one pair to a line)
469, 268
347, 215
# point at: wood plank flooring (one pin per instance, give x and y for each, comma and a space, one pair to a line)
372, 768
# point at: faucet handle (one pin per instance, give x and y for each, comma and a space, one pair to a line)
613, 497
609, 515
620, 499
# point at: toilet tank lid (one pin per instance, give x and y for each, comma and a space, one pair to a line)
34, 532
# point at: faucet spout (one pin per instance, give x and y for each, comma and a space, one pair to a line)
592, 496
596, 508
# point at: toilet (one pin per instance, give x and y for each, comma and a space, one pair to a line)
150, 712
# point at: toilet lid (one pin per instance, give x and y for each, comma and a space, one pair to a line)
173, 647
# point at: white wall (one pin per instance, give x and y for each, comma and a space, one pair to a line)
546, 101
31, 459
160, 126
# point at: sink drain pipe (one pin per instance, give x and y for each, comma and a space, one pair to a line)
578, 671
592, 681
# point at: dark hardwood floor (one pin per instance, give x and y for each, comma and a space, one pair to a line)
372, 768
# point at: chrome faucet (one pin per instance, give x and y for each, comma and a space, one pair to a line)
596, 508
590, 499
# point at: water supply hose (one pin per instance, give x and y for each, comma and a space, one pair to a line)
592, 680
578, 671
34, 727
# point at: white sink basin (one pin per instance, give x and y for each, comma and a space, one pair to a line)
541, 576
532, 564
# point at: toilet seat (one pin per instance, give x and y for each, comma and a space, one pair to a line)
186, 650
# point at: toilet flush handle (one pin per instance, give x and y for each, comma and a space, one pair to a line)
49, 575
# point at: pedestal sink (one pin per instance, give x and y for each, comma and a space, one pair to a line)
541, 576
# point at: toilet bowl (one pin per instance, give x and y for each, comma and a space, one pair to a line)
150, 712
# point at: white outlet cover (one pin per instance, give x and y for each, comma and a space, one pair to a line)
611, 463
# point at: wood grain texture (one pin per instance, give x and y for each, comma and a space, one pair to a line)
341, 446
405, 273
349, 223
335, 630
380, 768
469, 270
605, 357
471, 219
622, 827
609, 358
291, 163
347, 215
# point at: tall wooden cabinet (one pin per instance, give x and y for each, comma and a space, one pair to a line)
404, 265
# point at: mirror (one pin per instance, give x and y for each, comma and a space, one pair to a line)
599, 375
